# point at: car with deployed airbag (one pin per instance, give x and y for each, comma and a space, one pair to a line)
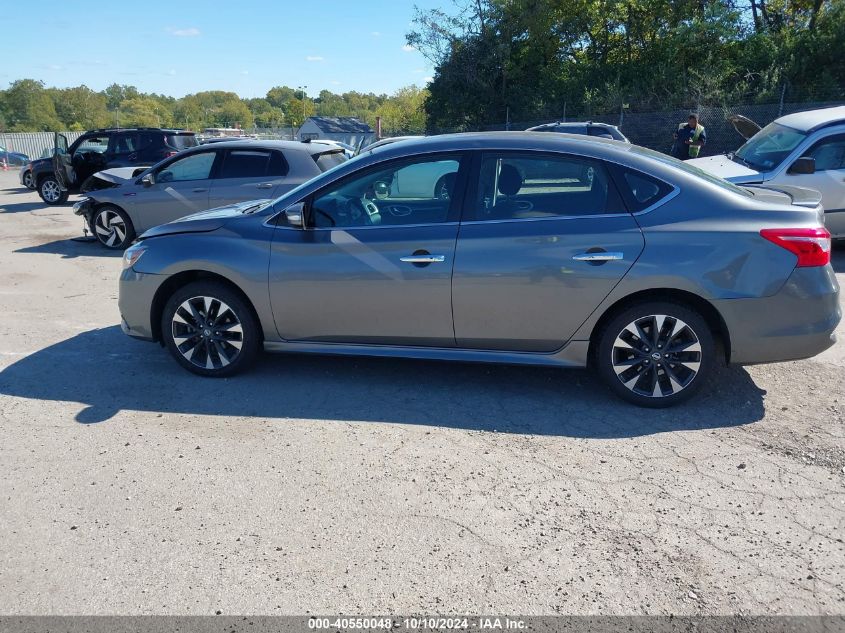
547, 249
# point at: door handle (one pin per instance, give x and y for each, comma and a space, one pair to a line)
423, 259
200, 190
265, 185
598, 256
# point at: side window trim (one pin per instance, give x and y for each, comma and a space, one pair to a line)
175, 159
832, 138
456, 202
474, 177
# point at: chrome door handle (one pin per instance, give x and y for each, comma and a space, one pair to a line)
600, 256
423, 259
265, 185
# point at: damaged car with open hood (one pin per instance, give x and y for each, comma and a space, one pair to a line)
124, 202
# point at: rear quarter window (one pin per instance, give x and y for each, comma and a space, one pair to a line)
181, 141
328, 160
641, 191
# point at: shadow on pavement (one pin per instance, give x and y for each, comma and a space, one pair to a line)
70, 248
111, 372
24, 207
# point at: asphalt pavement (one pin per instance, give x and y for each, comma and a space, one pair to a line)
331, 485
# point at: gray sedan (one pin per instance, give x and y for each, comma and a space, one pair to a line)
547, 249
127, 201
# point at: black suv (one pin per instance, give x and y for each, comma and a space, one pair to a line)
66, 172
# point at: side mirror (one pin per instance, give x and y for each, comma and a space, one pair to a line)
147, 180
803, 165
295, 214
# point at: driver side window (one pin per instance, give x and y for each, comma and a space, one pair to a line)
193, 167
413, 191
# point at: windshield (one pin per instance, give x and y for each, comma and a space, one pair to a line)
769, 147
695, 171
181, 141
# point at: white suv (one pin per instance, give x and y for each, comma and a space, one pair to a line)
805, 149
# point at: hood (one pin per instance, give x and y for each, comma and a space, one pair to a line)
744, 126
203, 221
724, 167
120, 175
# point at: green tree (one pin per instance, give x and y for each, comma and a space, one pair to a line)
29, 107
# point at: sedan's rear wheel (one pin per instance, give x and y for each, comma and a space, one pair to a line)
210, 330
113, 227
656, 354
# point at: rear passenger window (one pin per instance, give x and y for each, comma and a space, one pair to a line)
252, 164
518, 187
643, 191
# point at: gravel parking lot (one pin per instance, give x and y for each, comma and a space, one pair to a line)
327, 485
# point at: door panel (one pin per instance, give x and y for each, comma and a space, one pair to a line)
249, 174
517, 287
168, 201
829, 180
374, 269
523, 279
181, 188
351, 286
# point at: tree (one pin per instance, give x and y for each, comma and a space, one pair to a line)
80, 108
28, 107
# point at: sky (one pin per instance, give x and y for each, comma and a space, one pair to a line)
179, 47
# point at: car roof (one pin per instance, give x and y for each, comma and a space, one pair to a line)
291, 146
493, 140
569, 124
812, 120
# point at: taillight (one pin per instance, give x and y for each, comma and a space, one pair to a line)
812, 246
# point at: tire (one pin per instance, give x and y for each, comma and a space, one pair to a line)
634, 363
112, 227
27, 180
51, 191
205, 350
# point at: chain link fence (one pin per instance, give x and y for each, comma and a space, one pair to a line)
33, 144
654, 129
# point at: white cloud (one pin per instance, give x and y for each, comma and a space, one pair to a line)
189, 32
244, 72
55, 67
172, 71
418, 71
376, 34
428, 80
335, 83
408, 48
313, 58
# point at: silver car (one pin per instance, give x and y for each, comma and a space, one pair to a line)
130, 200
549, 249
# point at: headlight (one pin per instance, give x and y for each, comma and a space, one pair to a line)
131, 255
78, 206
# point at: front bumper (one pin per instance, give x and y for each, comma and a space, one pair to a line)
135, 300
797, 322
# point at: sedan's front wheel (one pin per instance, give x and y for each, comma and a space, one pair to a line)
655, 354
210, 330
113, 227
27, 180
